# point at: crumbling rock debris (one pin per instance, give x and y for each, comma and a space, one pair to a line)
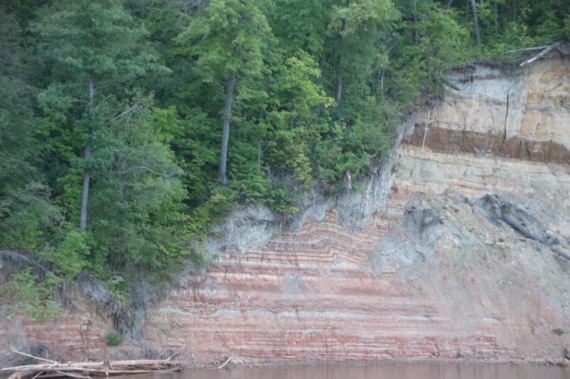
501, 211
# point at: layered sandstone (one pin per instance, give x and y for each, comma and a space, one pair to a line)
457, 251
500, 111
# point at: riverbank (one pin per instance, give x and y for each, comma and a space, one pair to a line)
455, 249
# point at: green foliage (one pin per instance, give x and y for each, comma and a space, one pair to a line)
113, 339
429, 42
97, 38
136, 211
227, 44
301, 25
319, 88
27, 217
230, 37
203, 217
31, 295
354, 50
138, 215
507, 25
24, 10
27, 214
69, 256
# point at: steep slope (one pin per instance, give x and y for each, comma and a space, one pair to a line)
458, 249
438, 271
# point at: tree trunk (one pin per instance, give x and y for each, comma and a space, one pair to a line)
476, 22
85, 194
415, 10
496, 13
448, 5
338, 84
226, 128
87, 174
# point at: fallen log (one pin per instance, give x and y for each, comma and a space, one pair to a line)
539, 55
71, 375
225, 363
21, 374
31, 356
86, 370
559, 46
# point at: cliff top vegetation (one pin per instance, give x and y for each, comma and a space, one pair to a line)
128, 128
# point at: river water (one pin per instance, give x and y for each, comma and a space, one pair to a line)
380, 371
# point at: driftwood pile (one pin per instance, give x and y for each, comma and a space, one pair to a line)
85, 370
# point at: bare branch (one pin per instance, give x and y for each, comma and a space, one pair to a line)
225, 363
559, 46
32, 356
539, 55
526, 49
131, 110
11, 253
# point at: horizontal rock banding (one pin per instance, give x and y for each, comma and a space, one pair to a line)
313, 295
431, 276
458, 141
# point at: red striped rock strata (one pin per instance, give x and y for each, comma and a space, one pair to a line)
311, 295
433, 275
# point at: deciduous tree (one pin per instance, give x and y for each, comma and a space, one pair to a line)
95, 46
227, 45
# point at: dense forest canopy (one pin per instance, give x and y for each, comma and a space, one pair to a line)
128, 128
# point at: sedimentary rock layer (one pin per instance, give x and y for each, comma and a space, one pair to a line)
407, 286
463, 260
521, 114
320, 293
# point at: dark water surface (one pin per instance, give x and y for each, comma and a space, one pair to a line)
380, 371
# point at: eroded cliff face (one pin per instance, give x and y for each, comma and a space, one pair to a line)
458, 248
503, 112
